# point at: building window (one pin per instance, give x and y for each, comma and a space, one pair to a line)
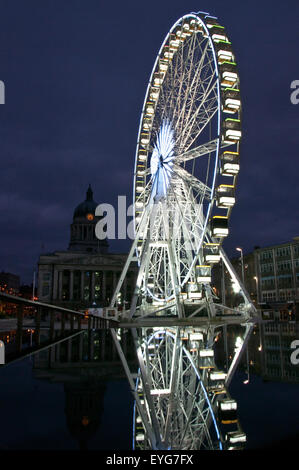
98, 276
296, 250
45, 290
265, 255
268, 283
267, 268
269, 296
283, 251
285, 280
282, 295
87, 286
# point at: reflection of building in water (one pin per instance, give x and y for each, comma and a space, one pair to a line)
269, 350
228, 339
276, 352
86, 272
85, 350
83, 409
83, 364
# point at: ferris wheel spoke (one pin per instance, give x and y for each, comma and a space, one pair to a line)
176, 351
196, 91
200, 117
189, 231
201, 150
188, 412
189, 85
201, 87
176, 82
196, 184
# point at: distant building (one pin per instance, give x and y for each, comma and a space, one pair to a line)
225, 289
271, 278
86, 272
277, 271
9, 283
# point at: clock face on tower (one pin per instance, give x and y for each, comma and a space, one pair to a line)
90, 216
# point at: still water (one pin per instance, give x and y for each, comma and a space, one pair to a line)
75, 396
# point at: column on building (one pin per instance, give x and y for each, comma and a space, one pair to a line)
71, 286
114, 280
82, 285
60, 285
92, 294
55, 284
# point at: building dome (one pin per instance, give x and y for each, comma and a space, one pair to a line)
86, 207
83, 236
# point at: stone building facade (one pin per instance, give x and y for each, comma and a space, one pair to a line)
86, 273
271, 278
277, 270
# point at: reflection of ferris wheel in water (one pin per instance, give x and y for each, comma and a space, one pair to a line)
187, 162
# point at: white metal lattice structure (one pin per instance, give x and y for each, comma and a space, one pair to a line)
191, 116
183, 410
191, 112
187, 162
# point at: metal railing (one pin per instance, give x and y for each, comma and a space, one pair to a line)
46, 323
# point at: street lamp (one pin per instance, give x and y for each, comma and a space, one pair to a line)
242, 264
257, 290
33, 286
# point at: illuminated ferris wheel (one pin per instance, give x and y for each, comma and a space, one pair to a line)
187, 158
186, 168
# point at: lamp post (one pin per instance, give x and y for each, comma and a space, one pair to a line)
257, 289
33, 286
242, 264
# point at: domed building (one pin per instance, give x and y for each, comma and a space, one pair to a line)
83, 237
86, 273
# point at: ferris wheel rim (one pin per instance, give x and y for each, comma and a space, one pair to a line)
210, 196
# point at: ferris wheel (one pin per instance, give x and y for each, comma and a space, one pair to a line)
186, 169
187, 158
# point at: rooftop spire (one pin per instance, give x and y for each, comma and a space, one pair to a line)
89, 194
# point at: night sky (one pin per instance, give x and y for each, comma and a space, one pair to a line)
75, 74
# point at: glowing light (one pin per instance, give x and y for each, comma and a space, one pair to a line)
238, 344
235, 286
162, 161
